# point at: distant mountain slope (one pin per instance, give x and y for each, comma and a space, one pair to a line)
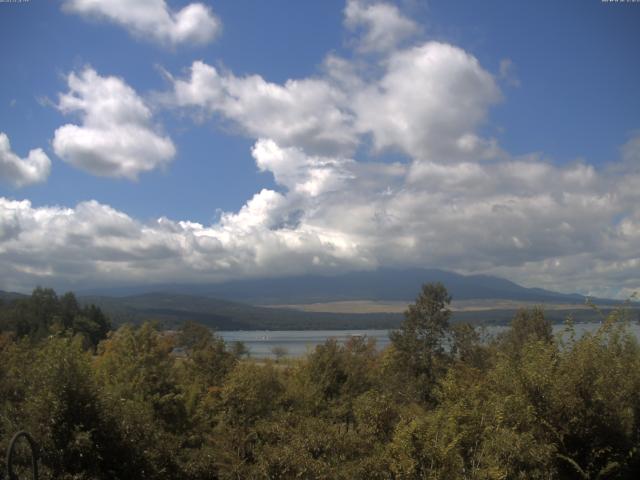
173, 309
381, 285
236, 305
10, 296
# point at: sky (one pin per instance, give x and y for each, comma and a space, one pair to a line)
170, 141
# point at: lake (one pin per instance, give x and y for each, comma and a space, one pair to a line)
299, 342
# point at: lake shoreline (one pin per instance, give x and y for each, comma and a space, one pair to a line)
298, 343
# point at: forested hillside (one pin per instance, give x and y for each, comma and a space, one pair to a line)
439, 403
45, 313
174, 309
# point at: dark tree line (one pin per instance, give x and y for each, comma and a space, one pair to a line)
44, 313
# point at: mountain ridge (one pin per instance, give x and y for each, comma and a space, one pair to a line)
279, 303
382, 284
173, 309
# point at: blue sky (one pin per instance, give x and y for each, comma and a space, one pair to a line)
448, 103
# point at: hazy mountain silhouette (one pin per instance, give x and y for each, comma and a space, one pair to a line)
382, 285
236, 305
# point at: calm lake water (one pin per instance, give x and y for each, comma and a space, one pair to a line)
299, 342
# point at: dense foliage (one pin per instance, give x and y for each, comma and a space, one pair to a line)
440, 403
44, 313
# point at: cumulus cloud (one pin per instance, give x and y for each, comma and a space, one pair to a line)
301, 173
18, 171
93, 244
515, 213
116, 137
463, 216
306, 113
384, 27
454, 199
429, 104
569, 228
457, 200
153, 19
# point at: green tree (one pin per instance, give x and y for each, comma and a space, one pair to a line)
528, 325
44, 313
50, 391
240, 349
468, 346
208, 358
418, 345
92, 324
136, 375
251, 394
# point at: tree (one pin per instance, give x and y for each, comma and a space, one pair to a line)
92, 324
251, 394
49, 390
208, 359
279, 352
240, 349
136, 375
44, 314
468, 347
419, 344
69, 308
527, 326
193, 335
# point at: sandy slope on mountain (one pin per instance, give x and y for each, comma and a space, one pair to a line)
371, 306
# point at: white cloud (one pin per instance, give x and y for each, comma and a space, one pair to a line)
116, 137
631, 152
304, 113
93, 244
455, 199
301, 173
458, 201
429, 103
568, 228
18, 171
383, 24
153, 19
